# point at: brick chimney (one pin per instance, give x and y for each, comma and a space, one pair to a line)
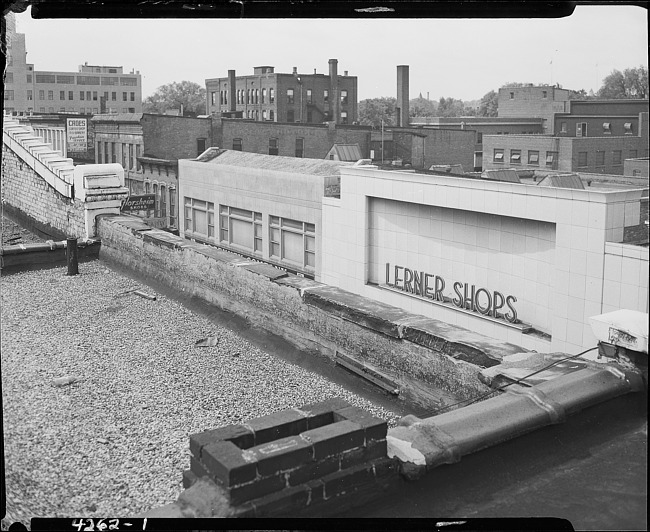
232, 101
334, 90
402, 108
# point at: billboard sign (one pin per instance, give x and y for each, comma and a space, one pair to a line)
77, 135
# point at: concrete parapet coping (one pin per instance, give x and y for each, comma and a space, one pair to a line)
423, 444
49, 245
456, 342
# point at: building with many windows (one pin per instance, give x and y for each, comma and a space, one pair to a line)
601, 154
271, 96
148, 147
264, 207
92, 89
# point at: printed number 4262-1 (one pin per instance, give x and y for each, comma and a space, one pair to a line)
113, 524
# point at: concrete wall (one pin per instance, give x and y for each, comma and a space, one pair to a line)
625, 284
310, 315
584, 221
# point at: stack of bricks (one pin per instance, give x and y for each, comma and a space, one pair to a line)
315, 460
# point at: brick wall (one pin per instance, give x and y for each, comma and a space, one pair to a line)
295, 308
438, 146
174, 137
36, 203
296, 461
637, 167
318, 139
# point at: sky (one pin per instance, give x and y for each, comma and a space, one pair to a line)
458, 58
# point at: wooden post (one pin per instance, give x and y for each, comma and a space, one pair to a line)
71, 255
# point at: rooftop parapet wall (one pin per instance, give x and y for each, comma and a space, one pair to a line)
310, 315
47, 191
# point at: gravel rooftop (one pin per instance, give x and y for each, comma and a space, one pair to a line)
116, 442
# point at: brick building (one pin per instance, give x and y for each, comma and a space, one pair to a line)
600, 118
636, 167
148, 147
482, 125
534, 102
271, 96
568, 154
312, 141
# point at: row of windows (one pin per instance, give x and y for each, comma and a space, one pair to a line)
544, 95
87, 95
551, 157
82, 110
84, 80
108, 152
162, 194
289, 241
238, 144
581, 128
269, 114
533, 157
584, 158
252, 96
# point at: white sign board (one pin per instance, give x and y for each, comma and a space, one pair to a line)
77, 134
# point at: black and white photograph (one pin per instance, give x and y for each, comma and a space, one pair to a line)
324, 265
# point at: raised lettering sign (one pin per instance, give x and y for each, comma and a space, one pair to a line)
467, 297
139, 203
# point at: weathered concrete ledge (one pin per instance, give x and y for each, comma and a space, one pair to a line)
309, 314
49, 254
423, 444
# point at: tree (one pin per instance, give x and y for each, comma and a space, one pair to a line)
489, 104
450, 107
373, 110
422, 107
629, 84
189, 95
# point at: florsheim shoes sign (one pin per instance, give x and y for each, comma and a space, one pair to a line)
144, 202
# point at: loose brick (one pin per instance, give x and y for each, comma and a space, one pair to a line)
334, 438
280, 455
347, 480
258, 488
284, 503
225, 461
371, 451
278, 425
313, 470
374, 427
238, 434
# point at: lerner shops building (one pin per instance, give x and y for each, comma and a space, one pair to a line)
518, 262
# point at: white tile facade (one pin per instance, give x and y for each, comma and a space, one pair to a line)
545, 246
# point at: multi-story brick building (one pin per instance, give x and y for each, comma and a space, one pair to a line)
482, 125
600, 118
312, 141
568, 154
93, 89
267, 95
534, 102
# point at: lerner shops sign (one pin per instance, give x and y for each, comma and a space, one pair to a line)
467, 297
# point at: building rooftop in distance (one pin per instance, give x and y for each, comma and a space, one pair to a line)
319, 167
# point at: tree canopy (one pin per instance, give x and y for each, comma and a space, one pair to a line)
373, 110
489, 104
189, 95
629, 84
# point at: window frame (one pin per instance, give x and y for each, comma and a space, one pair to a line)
227, 214
192, 205
277, 227
533, 157
498, 156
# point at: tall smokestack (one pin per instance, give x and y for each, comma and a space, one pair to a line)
334, 90
402, 109
232, 101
